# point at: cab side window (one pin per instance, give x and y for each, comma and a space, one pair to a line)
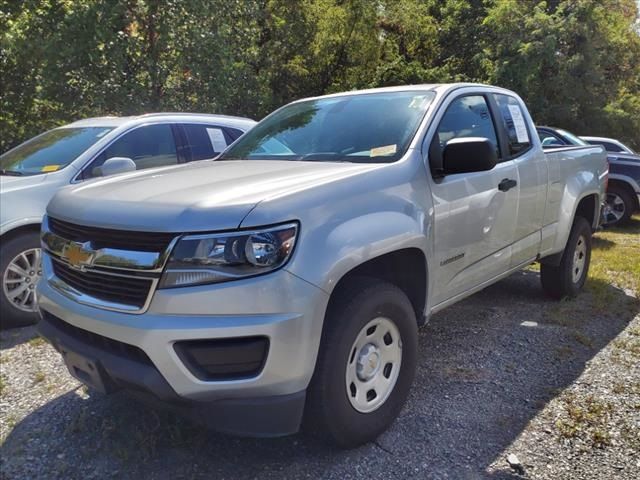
467, 116
514, 123
148, 146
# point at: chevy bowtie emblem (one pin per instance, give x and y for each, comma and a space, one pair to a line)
79, 255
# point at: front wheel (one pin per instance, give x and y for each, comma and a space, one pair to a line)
568, 278
20, 270
365, 365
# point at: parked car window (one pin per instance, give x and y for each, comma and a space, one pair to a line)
148, 146
233, 133
571, 138
363, 128
199, 142
608, 146
547, 139
514, 123
467, 116
50, 151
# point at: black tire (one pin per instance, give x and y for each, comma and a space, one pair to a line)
628, 204
10, 315
329, 412
558, 281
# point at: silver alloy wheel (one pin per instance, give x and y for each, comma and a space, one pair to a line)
20, 279
579, 259
373, 365
614, 208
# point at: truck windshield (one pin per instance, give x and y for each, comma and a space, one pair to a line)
50, 151
365, 128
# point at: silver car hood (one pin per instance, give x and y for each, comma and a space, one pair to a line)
10, 183
200, 196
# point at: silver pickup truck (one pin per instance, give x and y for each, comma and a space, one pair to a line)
283, 284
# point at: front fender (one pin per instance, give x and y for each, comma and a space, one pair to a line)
19, 223
334, 249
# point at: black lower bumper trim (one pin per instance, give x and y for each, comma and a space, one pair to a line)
108, 371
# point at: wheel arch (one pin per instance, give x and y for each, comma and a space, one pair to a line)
405, 268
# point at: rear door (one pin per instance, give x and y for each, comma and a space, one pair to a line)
532, 176
202, 141
474, 221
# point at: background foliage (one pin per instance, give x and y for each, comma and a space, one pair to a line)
575, 62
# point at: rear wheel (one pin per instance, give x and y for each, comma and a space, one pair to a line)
618, 207
20, 270
568, 278
365, 365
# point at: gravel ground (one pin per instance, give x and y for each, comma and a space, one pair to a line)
505, 372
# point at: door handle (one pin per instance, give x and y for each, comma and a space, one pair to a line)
506, 184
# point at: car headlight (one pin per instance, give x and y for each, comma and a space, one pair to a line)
220, 257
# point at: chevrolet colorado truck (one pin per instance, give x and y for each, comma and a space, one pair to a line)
283, 284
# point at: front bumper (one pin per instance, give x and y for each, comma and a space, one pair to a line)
279, 306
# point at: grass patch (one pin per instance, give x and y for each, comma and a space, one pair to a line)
37, 342
39, 377
616, 259
3, 385
586, 419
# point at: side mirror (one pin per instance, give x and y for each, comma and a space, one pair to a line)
114, 165
470, 154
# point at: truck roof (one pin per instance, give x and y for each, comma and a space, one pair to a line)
442, 87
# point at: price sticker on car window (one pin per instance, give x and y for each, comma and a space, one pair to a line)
383, 151
518, 122
218, 142
50, 168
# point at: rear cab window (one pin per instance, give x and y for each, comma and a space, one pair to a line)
514, 123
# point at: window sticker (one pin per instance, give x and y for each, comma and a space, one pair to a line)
419, 101
50, 168
382, 151
518, 122
218, 141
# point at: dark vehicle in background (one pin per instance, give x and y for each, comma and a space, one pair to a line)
623, 191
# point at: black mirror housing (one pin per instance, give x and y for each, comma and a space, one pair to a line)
470, 154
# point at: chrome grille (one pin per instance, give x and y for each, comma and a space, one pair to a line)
118, 239
120, 289
110, 269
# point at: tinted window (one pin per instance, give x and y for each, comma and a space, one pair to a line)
467, 117
608, 146
198, 142
149, 146
514, 123
368, 128
51, 151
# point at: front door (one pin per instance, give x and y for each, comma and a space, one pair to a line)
474, 220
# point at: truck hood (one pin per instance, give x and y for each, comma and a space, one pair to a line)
200, 196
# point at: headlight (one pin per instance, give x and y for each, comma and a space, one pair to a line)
213, 258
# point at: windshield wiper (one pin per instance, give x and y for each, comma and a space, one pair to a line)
11, 173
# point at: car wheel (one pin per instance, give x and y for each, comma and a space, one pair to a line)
20, 270
618, 207
568, 278
366, 363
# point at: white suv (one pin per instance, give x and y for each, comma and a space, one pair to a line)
32, 172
